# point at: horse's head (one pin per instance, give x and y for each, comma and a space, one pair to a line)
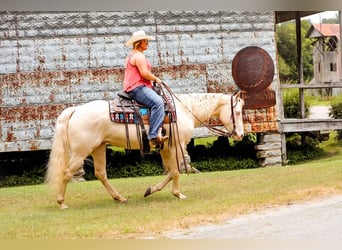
232, 117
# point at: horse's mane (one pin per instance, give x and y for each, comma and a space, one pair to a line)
202, 103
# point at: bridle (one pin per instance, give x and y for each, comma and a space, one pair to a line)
215, 130
221, 132
232, 106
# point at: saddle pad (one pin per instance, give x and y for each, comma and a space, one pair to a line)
122, 111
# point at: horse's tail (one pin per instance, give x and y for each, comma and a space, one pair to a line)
59, 155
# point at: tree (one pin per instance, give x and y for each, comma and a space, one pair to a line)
331, 20
287, 52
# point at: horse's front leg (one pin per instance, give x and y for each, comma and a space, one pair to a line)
175, 184
99, 157
170, 163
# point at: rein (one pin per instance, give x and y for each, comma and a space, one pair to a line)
172, 129
216, 131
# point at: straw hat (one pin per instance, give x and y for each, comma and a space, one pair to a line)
137, 36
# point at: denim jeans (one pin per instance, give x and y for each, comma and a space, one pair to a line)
149, 98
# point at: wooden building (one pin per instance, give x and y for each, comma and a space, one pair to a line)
52, 60
326, 54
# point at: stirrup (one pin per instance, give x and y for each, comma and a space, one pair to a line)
161, 139
158, 143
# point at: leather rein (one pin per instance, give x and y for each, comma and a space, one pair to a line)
215, 130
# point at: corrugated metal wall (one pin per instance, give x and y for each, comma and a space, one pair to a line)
50, 60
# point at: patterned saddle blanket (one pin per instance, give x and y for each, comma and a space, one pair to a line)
122, 109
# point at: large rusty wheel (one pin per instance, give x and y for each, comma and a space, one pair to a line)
252, 69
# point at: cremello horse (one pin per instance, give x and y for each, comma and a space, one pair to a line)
86, 130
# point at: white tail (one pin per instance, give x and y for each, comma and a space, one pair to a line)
59, 155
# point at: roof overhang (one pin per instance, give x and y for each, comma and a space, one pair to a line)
284, 16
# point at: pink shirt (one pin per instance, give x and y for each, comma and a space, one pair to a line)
133, 78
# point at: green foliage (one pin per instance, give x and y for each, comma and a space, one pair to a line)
284, 71
20, 180
224, 164
336, 112
291, 104
331, 20
287, 52
22, 168
122, 164
313, 99
223, 155
298, 152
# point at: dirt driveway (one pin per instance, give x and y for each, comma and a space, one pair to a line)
321, 219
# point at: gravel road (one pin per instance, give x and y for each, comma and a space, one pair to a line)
319, 112
320, 219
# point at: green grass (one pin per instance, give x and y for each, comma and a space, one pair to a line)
314, 100
30, 212
319, 100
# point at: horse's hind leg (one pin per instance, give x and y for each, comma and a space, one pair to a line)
75, 162
99, 157
159, 186
170, 163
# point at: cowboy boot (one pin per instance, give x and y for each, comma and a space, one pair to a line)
161, 137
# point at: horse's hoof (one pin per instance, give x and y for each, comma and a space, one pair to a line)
121, 200
180, 196
148, 192
63, 206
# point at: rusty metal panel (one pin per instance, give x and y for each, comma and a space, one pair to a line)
51, 60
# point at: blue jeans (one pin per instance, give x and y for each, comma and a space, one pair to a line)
149, 98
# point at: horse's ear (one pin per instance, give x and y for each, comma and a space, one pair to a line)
237, 94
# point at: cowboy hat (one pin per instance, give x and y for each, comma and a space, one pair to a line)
137, 36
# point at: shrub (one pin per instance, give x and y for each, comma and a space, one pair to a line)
299, 152
335, 111
221, 156
291, 104
224, 163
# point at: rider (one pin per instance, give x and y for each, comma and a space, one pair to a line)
137, 84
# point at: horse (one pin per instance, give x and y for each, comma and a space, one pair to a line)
86, 129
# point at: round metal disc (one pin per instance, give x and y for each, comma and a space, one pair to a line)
253, 69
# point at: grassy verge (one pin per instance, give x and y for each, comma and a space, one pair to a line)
31, 212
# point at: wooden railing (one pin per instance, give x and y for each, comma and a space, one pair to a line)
305, 124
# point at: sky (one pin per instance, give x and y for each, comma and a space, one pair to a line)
317, 18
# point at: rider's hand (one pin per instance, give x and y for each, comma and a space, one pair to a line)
157, 80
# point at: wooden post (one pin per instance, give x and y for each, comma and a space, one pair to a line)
300, 69
300, 64
340, 22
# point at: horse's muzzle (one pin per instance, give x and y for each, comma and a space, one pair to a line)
237, 137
